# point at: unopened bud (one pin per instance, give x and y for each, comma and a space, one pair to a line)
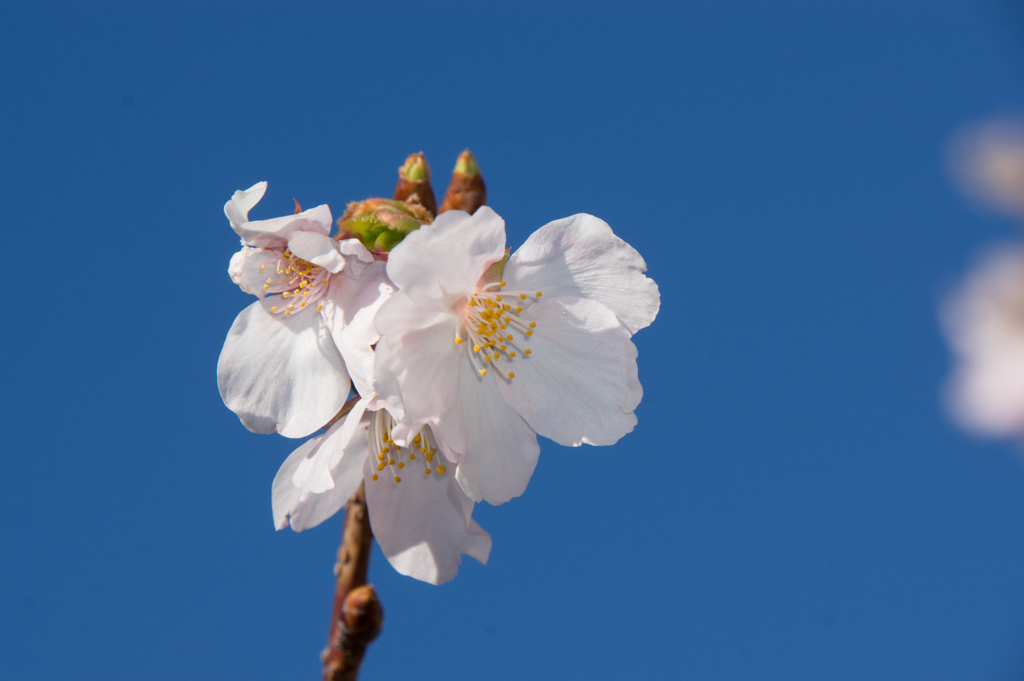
381, 224
414, 183
466, 191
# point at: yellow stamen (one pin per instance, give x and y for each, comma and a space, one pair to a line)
458, 341
483, 372
440, 470
533, 325
426, 471
527, 351
511, 374
538, 294
398, 479
373, 477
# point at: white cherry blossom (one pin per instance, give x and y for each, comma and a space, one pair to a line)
282, 367
984, 321
419, 514
494, 353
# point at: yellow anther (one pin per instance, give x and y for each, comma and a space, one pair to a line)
527, 351
412, 456
380, 457
458, 341
302, 304
501, 283
391, 462
498, 298
440, 470
533, 325
320, 306
472, 303
504, 347
506, 306
495, 355
287, 312
266, 286
538, 294
426, 471
522, 296
518, 310
398, 479
512, 354
476, 348
263, 267
291, 307
508, 337
384, 450
380, 466
529, 333
373, 477
273, 309
401, 465
483, 372
511, 374
487, 359
416, 439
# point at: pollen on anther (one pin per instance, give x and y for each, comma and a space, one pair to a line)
518, 310
391, 462
458, 341
266, 286
483, 372
512, 354
320, 306
273, 309
533, 325
527, 351
398, 479
380, 466
263, 267
511, 374
401, 465
373, 477
529, 333
384, 450
495, 355
476, 348
538, 294
426, 471
501, 283
508, 337
411, 455
440, 470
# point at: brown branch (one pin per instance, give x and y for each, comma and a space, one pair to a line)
356, 617
466, 191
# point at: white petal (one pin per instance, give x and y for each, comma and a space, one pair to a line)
423, 524
441, 262
274, 232
417, 360
348, 312
318, 249
579, 256
249, 267
237, 209
290, 508
313, 475
356, 256
497, 449
575, 387
281, 372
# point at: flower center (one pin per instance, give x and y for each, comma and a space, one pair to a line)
489, 325
299, 283
421, 456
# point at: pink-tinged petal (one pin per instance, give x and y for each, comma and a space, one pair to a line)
423, 523
349, 310
441, 262
356, 256
276, 231
289, 506
238, 207
579, 256
575, 387
281, 372
497, 449
315, 473
318, 249
249, 268
416, 365
984, 322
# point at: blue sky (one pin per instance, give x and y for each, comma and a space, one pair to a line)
793, 504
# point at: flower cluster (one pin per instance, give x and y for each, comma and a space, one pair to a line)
432, 356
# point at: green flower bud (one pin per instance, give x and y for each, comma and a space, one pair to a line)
381, 224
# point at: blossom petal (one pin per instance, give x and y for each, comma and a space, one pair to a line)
423, 524
349, 312
417, 361
281, 372
441, 262
248, 269
318, 249
579, 256
497, 449
302, 514
314, 474
276, 231
238, 207
575, 387
357, 256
